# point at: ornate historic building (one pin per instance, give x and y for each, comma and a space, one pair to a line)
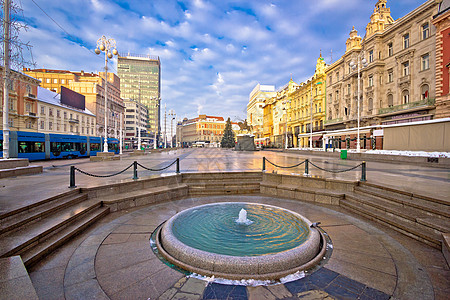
255, 111
396, 60
307, 106
92, 86
442, 23
23, 102
201, 131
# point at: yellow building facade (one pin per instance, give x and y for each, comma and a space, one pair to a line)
306, 109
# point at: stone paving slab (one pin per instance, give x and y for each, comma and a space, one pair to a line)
137, 274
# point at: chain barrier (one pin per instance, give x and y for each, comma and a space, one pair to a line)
307, 162
102, 176
135, 164
299, 164
336, 171
155, 170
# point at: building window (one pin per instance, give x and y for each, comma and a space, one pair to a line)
28, 107
425, 61
11, 104
29, 125
50, 112
337, 76
370, 105
390, 75
55, 80
370, 56
349, 89
405, 96
42, 110
63, 81
65, 127
370, 80
58, 113
390, 99
405, 68
330, 79
42, 125
425, 31
424, 92
47, 80
406, 41
50, 126
390, 49
65, 115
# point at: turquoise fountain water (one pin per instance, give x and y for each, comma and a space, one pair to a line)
258, 230
235, 240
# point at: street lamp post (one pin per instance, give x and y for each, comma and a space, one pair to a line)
172, 114
361, 61
285, 124
109, 47
139, 117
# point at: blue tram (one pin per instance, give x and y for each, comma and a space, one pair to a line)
40, 146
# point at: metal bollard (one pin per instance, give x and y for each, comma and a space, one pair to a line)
135, 174
72, 177
178, 165
264, 164
306, 167
363, 171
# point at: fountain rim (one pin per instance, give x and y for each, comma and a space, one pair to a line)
267, 266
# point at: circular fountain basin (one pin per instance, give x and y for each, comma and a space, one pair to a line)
211, 240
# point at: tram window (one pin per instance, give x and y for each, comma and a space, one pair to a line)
31, 147
67, 147
80, 146
55, 147
95, 147
1, 145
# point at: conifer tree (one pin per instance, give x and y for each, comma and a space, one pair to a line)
228, 136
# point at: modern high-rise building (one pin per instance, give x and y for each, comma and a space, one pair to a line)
140, 80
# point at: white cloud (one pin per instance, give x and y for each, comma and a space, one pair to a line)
212, 52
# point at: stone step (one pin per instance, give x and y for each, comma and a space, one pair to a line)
412, 229
217, 183
442, 225
222, 176
35, 205
427, 205
15, 282
224, 190
13, 163
28, 236
224, 180
14, 222
144, 196
19, 171
386, 206
33, 255
408, 195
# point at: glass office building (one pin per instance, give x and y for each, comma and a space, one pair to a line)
140, 80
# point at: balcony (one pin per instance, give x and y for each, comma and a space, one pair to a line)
337, 120
407, 106
75, 121
30, 96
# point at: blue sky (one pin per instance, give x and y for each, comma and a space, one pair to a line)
212, 53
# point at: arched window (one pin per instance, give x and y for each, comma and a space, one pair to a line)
424, 91
405, 97
370, 105
390, 99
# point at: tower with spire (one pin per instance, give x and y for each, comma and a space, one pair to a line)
380, 19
